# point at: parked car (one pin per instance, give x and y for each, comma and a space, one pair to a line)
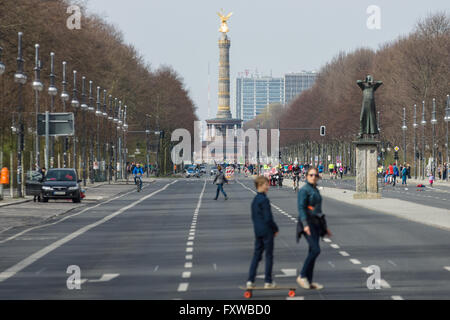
202, 168
61, 184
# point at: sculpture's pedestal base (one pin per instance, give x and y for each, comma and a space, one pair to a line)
366, 170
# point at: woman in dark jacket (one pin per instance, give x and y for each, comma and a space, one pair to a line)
314, 226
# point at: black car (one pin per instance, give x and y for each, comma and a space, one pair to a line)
61, 184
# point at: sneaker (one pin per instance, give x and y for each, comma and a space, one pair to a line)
304, 283
316, 286
250, 284
270, 285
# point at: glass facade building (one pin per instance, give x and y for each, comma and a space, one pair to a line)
296, 83
254, 94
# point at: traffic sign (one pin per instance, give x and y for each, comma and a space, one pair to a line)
396, 148
60, 124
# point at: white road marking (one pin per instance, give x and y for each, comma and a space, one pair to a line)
192, 233
331, 264
10, 272
189, 249
335, 246
344, 253
182, 287
367, 270
397, 298
191, 238
156, 269
215, 266
186, 274
355, 261
447, 268
106, 277
61, 220
326, 240
384, 284
190, 243
392, 262
189, 257
295, 298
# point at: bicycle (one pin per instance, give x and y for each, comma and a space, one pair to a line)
138, 184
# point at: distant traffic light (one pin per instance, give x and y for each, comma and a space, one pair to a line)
322, 131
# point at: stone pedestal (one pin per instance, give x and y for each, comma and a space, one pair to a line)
366, 170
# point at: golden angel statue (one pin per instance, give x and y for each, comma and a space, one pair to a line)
224, 18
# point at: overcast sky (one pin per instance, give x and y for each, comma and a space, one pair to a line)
271, 36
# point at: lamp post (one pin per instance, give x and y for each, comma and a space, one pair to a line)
64, 99
91, 141
37, 87
447, 120
84, 109
2, 65
115, 122
111, 141
98, 114
404, 128
75, 105
147, 135
124, 128
52, 91
415, 125
119, 143
423, 123
433, 125
105, 134
20, 78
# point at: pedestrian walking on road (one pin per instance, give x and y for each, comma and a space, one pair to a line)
313, 225
219, 180
265, 230
404, 175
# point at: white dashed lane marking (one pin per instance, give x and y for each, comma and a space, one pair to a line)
397, 298
355, 261
344, 253
183, 287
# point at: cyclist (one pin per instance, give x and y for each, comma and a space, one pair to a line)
138, 173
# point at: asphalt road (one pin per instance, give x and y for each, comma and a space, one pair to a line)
173, 241
437, 196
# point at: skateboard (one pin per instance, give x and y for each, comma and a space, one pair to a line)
248, 293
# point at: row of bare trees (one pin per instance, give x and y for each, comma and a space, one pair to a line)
413, 68
97, 51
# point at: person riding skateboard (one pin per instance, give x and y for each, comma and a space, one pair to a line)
265, 230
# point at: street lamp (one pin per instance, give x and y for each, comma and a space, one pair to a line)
64, 99
423, 123
52, 91
37, 87
84, 108
415, 125
433, 123
20, 78
98, 114
447, 120
404, 128
75, 103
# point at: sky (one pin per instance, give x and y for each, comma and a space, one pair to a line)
272, 37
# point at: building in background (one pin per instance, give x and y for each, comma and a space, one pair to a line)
296, 83
254, 93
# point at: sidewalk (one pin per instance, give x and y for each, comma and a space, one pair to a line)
436, 217
24, 212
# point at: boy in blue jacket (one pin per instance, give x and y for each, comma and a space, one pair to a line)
265, 231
